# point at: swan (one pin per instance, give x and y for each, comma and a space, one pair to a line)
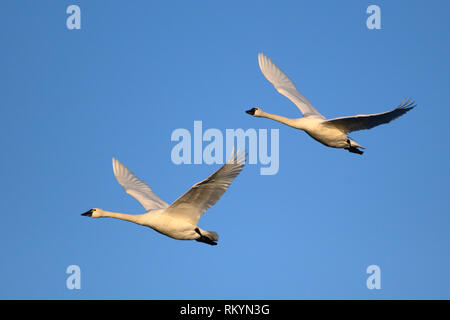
178, 220
330, 132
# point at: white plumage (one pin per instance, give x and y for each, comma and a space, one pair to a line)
178, 220
332, 132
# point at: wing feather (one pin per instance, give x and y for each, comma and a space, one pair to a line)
361, 122
204, 194
136, 187
285, 86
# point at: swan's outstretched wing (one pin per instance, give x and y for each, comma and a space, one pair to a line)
191, 205
284, 85
368, 121
136, 187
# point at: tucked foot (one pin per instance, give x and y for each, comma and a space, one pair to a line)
204, 239
354, 150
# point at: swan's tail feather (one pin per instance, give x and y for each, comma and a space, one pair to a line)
211, 235
353, 143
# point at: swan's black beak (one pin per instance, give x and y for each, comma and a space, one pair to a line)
88, 213
251, 111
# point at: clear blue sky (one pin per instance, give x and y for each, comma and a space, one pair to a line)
137, 70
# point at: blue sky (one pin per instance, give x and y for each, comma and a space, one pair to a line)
137, 70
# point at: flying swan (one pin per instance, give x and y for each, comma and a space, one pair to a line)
330, 132
179, 220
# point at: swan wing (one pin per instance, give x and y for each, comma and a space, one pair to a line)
368, 121
204, 194
284, 85
136, 187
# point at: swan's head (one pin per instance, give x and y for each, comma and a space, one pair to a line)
256, 112
94, 213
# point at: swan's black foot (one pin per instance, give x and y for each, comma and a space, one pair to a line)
204, 239
354, 150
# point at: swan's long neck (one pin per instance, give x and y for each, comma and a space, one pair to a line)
287, 121
135, 218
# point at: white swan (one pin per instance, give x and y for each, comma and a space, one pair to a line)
179, 220
333, 132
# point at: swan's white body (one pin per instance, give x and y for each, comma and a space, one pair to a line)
332, 132
178, 220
